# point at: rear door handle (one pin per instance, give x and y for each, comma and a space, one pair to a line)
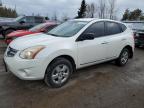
105, 43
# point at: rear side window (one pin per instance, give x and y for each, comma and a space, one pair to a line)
97, 29
29, 19
112, 28
39, 20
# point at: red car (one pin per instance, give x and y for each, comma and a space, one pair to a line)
44, 27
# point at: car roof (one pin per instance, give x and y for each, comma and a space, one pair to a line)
86, 19
95, 19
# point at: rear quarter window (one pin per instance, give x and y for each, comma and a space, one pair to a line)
39, 20
123, 27
113, 28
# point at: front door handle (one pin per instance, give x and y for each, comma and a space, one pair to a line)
105, 43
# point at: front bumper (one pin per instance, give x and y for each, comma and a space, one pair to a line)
26, 69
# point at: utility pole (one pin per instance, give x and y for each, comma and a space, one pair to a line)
15, 7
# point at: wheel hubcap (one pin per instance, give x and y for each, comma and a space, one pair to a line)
124, 57
60, 74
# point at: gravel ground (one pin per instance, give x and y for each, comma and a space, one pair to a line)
99, 86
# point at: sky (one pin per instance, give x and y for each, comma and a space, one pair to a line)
64, 7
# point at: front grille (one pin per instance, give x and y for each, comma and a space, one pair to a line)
11, 52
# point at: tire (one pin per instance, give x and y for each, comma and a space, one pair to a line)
6, 32
58, 73
123, 58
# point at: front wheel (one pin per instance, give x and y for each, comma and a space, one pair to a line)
123, 58
58, 73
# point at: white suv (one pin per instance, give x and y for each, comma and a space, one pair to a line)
72, 45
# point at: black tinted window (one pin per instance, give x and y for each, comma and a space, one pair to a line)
112, 28
39, 20
97, 29
29, 19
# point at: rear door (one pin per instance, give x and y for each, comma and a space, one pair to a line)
115, 39
38, 20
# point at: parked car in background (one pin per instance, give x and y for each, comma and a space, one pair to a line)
72, 45
22, 22
138, 28
44, 27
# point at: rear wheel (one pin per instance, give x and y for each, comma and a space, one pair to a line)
123, 58
58, 73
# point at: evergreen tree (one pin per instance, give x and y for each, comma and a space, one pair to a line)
82, 10
8, 12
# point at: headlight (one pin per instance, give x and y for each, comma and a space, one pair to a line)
31, 52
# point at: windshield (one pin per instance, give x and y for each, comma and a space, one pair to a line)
38, 27
136, 26
68, 29
18, 18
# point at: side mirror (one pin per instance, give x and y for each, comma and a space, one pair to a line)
42, 30
22, 22
88, 36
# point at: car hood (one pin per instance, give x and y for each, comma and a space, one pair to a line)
5, 23
33, 40
20, 33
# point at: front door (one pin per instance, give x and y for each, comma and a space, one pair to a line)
92, 51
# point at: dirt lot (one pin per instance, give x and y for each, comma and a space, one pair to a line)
99, 86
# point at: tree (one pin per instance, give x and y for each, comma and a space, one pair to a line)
82, 10
1, 3
126, 15
112, 8
8, 12
142, 18
133, 15
65, 17
90, 10
55, 18
102, 8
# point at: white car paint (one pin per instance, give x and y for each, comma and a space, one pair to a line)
84, 53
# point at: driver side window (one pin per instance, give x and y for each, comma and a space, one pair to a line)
23, 19
97, 29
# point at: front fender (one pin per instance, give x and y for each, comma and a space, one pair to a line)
50, 56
